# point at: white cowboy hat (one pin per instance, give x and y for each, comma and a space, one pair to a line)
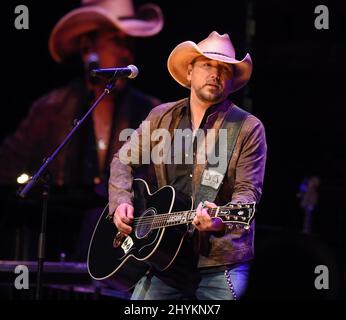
216, 47
93, 14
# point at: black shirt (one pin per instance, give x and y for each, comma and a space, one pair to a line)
183, 273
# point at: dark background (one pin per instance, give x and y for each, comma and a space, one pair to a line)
297, 90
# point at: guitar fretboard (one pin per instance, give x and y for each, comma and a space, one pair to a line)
173, 219
227, 214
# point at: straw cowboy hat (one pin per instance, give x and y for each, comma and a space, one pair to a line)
93, 14
216, 47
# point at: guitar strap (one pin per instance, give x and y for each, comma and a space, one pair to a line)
213, 175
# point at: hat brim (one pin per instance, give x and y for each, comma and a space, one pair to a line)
183, 54
63, 39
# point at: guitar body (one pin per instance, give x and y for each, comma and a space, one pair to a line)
123, 263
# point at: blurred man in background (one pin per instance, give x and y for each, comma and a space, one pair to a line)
101, 33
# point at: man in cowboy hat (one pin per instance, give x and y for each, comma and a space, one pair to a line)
100, 33
214, 262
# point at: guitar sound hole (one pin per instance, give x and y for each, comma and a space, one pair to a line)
144, 223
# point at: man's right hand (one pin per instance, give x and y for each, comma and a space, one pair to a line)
123, 217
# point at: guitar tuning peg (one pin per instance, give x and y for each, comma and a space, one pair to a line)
239, 205
247, 206
247, 227
230, 227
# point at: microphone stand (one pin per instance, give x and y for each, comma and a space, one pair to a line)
45, 193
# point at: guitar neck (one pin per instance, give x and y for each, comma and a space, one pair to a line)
173, 219
231, 213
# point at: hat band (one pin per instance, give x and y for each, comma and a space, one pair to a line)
218, 53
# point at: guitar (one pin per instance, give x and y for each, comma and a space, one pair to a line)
160, 223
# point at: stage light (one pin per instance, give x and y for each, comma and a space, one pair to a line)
23, 178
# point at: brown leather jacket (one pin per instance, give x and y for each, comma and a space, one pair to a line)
243, 181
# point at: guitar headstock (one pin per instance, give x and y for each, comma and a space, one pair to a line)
239, 214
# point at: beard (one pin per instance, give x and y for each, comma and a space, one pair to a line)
211, 93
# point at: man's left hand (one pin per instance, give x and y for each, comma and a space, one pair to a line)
203, 221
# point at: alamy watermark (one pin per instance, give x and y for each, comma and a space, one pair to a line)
22, 280
322, 280
159, 147
322, 20
22, 19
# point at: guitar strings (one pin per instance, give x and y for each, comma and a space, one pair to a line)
161, 219
165, 215
158, 220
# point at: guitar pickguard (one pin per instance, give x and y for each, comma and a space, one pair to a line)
151, 243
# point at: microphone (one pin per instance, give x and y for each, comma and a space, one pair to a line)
92, 62
130, 71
